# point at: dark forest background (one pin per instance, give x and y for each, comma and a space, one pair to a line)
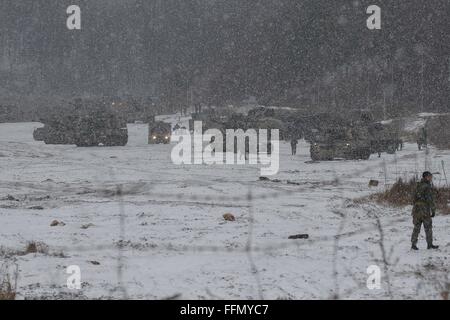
310, 54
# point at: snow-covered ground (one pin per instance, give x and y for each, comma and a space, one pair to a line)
168, 222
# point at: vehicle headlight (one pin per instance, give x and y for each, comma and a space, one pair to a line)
154, 137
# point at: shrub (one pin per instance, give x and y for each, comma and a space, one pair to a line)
402, 194
8, 283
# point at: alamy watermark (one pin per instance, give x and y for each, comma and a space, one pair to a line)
73, 21
236, 146
74, 280
374, 278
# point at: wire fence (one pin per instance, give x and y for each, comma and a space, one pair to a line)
249, 248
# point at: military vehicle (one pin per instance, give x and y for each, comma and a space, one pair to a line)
210, 118
241, 122
350, 143
159, 132
310, 126
437, 132
39, 134
84, 124
351, 136
57, 130
261, 112
384, 138
276, 118
235, 121
269, 123
106, 129
257, 118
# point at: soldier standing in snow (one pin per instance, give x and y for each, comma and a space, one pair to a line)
424, 210
294, 143
422, 140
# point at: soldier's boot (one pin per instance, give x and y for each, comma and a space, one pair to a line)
430, 246
414, 247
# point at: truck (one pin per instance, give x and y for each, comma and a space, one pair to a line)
159, 132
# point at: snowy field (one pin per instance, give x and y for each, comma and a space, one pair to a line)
164, 235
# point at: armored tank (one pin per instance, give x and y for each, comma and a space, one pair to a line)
350, 143
241, 122
355, 135
270, 123
58, 129
310, 126
211, 119
285, 120
105, 129
85, 124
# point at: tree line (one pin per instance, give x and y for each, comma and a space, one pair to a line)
313, 55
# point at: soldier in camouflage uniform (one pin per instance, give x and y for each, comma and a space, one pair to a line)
422, 140
424, 210
294, 143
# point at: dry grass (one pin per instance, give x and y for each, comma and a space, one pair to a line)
402, 194
8, 283
7, 291
36, 247
32, 247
